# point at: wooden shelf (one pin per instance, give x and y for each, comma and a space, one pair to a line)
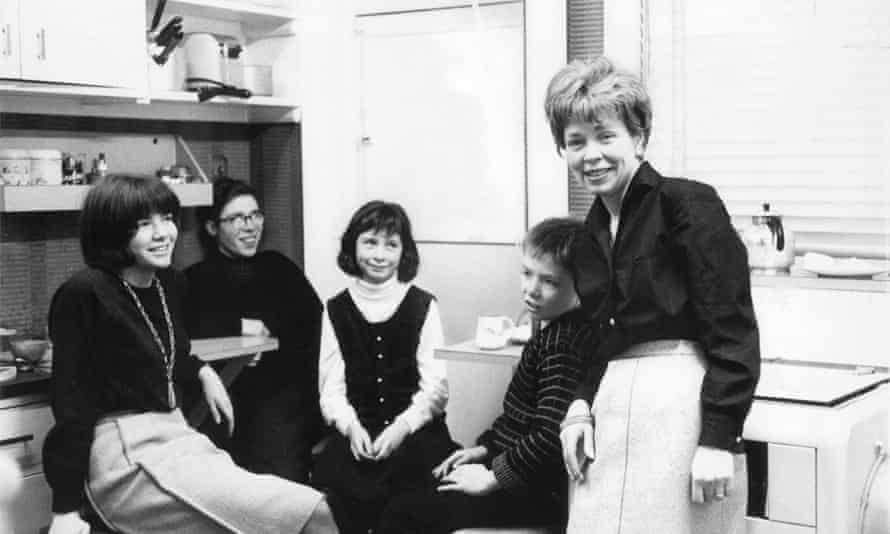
243, 11
37, 198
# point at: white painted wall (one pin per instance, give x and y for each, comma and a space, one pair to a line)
469, 280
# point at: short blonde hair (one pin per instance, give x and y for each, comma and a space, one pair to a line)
590, 90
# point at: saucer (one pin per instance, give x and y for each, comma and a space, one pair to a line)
7, 373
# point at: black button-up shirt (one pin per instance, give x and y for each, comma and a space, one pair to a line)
677, 270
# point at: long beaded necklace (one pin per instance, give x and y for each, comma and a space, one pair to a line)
169, 359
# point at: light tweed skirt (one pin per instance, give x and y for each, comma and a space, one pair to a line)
152, 473
648, 418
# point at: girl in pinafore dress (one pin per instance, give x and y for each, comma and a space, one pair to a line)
380, 386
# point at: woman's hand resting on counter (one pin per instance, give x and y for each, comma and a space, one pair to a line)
68, 523
217, 398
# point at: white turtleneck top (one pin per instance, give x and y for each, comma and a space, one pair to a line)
378, 302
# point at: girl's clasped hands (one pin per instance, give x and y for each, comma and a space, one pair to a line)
363, 448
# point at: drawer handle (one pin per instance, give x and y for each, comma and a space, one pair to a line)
21, 439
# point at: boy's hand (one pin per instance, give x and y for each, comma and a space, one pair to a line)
390, 439
460, 457
472, 479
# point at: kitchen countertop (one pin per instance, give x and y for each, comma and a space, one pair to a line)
469, 351
800, 382
36, 383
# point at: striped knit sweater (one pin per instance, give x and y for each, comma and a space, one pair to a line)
523, 443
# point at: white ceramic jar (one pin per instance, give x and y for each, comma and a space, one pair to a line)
46, 167
15, 167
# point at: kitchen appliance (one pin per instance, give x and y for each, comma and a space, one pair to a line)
207, 66
815, 435
770, 245
203, 61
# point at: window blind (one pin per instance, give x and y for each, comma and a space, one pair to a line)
585, 38
787, 103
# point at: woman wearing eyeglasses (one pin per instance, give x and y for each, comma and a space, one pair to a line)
239, 290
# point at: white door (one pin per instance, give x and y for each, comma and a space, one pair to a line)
10, 57
442, 103
100, 42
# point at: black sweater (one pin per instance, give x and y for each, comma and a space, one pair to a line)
105, 360
523, 442
268, 287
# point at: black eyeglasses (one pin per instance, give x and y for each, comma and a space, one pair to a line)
241, 219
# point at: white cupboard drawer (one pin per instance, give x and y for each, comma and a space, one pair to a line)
791, 488
22, 432
31, 510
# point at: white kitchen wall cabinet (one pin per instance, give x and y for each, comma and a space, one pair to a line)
70, 58
10, 54
97, 43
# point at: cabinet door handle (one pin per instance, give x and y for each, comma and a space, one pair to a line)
20, 439
7, 45
41, 44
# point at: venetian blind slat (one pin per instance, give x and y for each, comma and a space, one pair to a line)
585, 22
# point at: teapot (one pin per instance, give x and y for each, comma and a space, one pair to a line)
770, 245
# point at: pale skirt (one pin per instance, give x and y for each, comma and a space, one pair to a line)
152, 473
647, 415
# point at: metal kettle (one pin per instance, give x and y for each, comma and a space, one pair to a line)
770, 245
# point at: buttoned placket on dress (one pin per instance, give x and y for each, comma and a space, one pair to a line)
380, 356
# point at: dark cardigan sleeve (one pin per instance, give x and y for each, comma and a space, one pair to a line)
66, 451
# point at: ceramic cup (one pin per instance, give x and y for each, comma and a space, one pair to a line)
493, 332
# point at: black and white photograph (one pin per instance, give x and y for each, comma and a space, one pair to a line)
444, 266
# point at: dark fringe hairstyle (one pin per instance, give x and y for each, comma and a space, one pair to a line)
379, 216
110, 213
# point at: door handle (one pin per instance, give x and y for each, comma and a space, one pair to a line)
7, 45
20, 439
41, 44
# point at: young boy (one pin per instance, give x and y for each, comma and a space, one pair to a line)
514, 476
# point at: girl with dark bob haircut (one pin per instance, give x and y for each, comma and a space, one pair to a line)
110, 213
386, 217
120, 444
